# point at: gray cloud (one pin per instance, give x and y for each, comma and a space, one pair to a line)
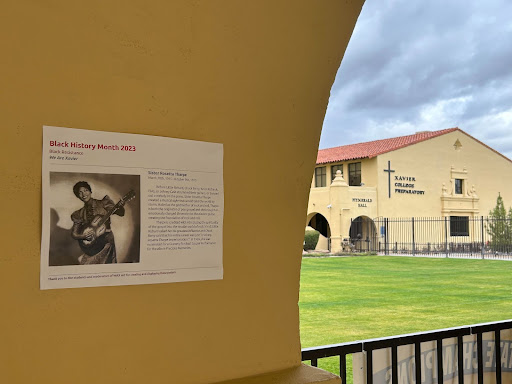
415, 65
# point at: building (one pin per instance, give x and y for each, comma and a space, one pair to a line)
445, 173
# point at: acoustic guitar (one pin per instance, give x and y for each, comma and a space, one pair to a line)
97, 227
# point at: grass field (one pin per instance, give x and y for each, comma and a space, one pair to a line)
355, 298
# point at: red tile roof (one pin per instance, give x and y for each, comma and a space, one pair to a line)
374, 148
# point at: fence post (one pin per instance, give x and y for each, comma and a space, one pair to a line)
482, 229
350, 235
413, 242
367, 235
386, 243
446, 236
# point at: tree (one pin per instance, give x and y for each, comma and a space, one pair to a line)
499, 227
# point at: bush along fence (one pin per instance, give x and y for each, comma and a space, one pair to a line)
451, 236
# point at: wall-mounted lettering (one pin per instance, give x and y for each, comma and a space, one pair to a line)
406, 184
361, 202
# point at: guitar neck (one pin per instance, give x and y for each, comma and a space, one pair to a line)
107, 216
130, 195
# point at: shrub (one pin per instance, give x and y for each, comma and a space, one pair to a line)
310, 239
499, 227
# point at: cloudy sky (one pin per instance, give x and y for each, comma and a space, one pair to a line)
416, 65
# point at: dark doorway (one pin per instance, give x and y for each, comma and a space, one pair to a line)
320, 223
363, 234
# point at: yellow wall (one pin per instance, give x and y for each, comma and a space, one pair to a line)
252, 75
337, 204
369, 172
430, 162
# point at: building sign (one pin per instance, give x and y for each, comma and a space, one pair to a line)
120, 209
361, 203
407, 184
402, 184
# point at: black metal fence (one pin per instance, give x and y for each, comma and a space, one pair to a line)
495, 353
451, 236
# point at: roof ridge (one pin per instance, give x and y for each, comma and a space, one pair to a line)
374, 148
396, 137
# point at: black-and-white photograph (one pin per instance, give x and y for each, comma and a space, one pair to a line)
94, 218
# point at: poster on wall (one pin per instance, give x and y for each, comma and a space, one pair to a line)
122, 209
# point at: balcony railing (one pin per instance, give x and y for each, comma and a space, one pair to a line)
393, 342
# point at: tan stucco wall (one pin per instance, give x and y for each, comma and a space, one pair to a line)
430, 162
254, 76
338, 204
323, 243
369, 175
303, 374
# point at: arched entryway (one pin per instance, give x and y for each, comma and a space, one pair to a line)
363, 234
319, 222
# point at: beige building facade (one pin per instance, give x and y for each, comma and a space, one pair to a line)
445, 173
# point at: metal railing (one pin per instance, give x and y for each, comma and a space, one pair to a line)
393, 342
472, 237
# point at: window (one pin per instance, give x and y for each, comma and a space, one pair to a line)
459, 226
320, 174
458, 186
354, 174
334, 169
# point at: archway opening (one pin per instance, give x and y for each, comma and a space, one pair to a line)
363, 234
320, 223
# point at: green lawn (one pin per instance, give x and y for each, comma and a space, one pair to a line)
355, 298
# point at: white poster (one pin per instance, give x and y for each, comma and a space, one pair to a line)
121, 209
